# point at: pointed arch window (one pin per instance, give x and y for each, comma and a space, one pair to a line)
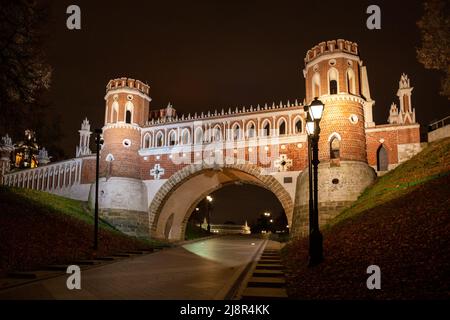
282, 128
172, 138
159, 139
333, 81
351, 81
266, 129
198, 136
316, 85
236, 132
335, 148
251, 130
382, 158
298, 127
147, 141
185, 137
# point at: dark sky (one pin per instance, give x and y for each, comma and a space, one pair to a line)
202, 55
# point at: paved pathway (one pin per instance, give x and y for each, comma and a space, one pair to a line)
200, 270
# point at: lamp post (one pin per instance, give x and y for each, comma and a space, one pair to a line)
315, 111
209, 199
98, 142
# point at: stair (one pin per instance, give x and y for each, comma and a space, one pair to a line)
267, 281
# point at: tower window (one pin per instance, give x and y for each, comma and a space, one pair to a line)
334, 148
128, 117
333, 87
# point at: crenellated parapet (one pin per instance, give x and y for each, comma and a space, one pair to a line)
332, 46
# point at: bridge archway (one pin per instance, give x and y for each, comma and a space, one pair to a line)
173, 204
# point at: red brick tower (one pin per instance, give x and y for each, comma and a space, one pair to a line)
332, 72
122, 194
127, 109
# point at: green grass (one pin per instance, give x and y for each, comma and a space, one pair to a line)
431, 163
57, 204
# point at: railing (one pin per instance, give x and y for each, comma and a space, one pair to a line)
52, 177
439, 124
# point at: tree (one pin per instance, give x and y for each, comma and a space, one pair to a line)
435, 35
25, 75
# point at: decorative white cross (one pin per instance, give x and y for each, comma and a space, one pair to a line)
283, 163
157, 171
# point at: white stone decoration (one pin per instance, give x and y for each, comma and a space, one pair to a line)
353, 119
283, 163
126, 143
157, 171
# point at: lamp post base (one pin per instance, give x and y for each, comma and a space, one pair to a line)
315, 248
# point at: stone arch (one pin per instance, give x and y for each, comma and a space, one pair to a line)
191, 184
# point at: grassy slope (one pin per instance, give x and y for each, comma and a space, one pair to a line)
38, 228
401, 224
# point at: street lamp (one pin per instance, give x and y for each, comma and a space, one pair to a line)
98, 143
267, 214
209, 199
314, 115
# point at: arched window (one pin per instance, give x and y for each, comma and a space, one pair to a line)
251, 128
298, 127
334, 148
147, 140
351, 81
236, 132
217, 134
172, 138
382, 159
282, 127
198, 136
159, 139
316, 85
266, 129
115, 111
333, 81
185, 137
129, 112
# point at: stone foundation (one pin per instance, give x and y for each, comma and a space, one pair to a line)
133, 223
339, 186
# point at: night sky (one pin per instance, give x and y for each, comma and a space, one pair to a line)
202, 55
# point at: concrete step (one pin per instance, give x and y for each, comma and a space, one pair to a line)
264, 293
269, 266
122, 255
268, 273
269, 261
57, 267
87, 262
106, 258
22, 275
267, 282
